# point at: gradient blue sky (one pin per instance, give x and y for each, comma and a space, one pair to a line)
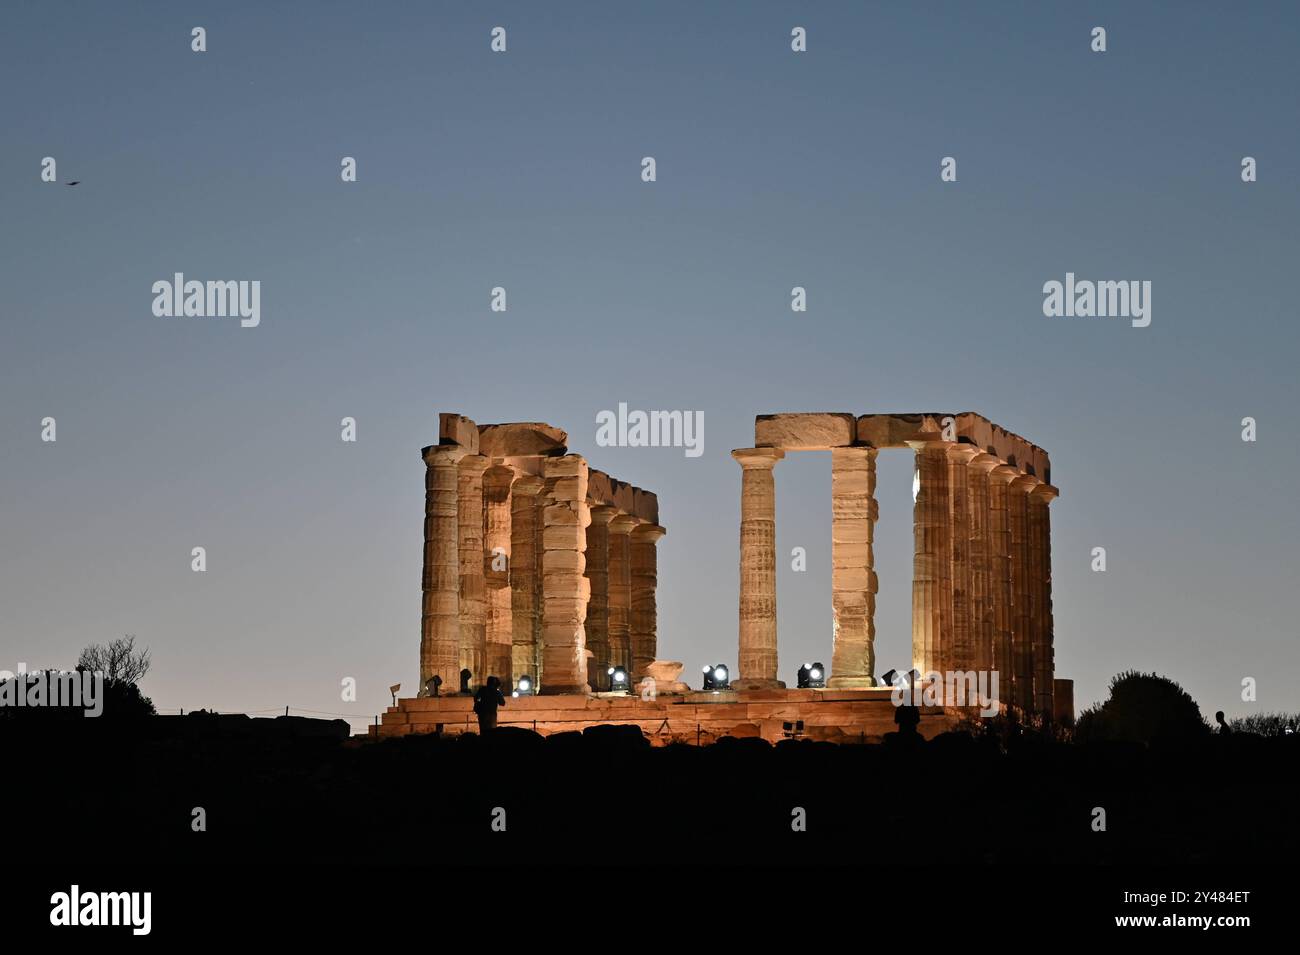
522, 170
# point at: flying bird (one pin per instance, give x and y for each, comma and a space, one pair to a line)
75, 182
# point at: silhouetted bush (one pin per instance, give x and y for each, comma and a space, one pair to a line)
1267, 724
1143, 708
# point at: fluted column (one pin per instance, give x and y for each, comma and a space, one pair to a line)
981, 563
598, 606
525, 610
962, 657
853, 578
565, 589
440, 582
758, 665
644, 612
473, 592
1022, 593
496, 573
1040, 541
620, 592
931, 558
1000, 479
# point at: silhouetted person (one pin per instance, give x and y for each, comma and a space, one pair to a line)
431, 686
486, 701
464, 681
1224, 728
907, 718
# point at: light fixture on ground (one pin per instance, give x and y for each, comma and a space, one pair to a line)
617, 679
716, 677
524, 687
812, 676
393, 690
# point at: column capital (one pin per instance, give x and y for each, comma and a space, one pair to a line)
929, 441
758, 458
985, 462
963, 453
603, 514
475, 462
527, 485
1045, 492
443, 455
624, 524
1004, 474
649, 533
499, 477
1025, 482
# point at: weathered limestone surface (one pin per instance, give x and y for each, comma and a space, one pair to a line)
525, 608
981, 562
459, 430
932, 558
620, 592
598, 606
440, 584
805, 432
496, 572
1022, 588
565, 588
644, 615
758, 663
963, 612
1040, 539
1000, 479
853, 578
473, 592
521, 439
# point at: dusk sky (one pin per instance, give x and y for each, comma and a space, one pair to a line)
523, 170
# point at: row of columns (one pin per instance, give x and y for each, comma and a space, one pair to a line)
981, 575
522, 575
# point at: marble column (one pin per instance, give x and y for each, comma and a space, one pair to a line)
473, 592
620, 592
1040, 542
525, 608
854, 512
931, 558
758, 666
440, 583
1000, 479
643, 617
598, 606
981, 561
962, 657
1022, 593
496, 573
565, 588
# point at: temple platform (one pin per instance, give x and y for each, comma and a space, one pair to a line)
842, 716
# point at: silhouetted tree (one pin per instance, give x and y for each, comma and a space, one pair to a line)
118, 661
1143, 708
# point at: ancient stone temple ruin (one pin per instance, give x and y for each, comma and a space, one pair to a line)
982, 572
535, 564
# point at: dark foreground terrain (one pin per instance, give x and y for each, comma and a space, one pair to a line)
298, 791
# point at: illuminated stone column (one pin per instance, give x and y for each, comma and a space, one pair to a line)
1022, 593
981, 562
440, 582
496, 573
854, 512
565, 588
1000, 479
962, 656
620, 593
1040, 543
931, 557
473, 592
644, 615
598, 606
525, 608
758, 667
